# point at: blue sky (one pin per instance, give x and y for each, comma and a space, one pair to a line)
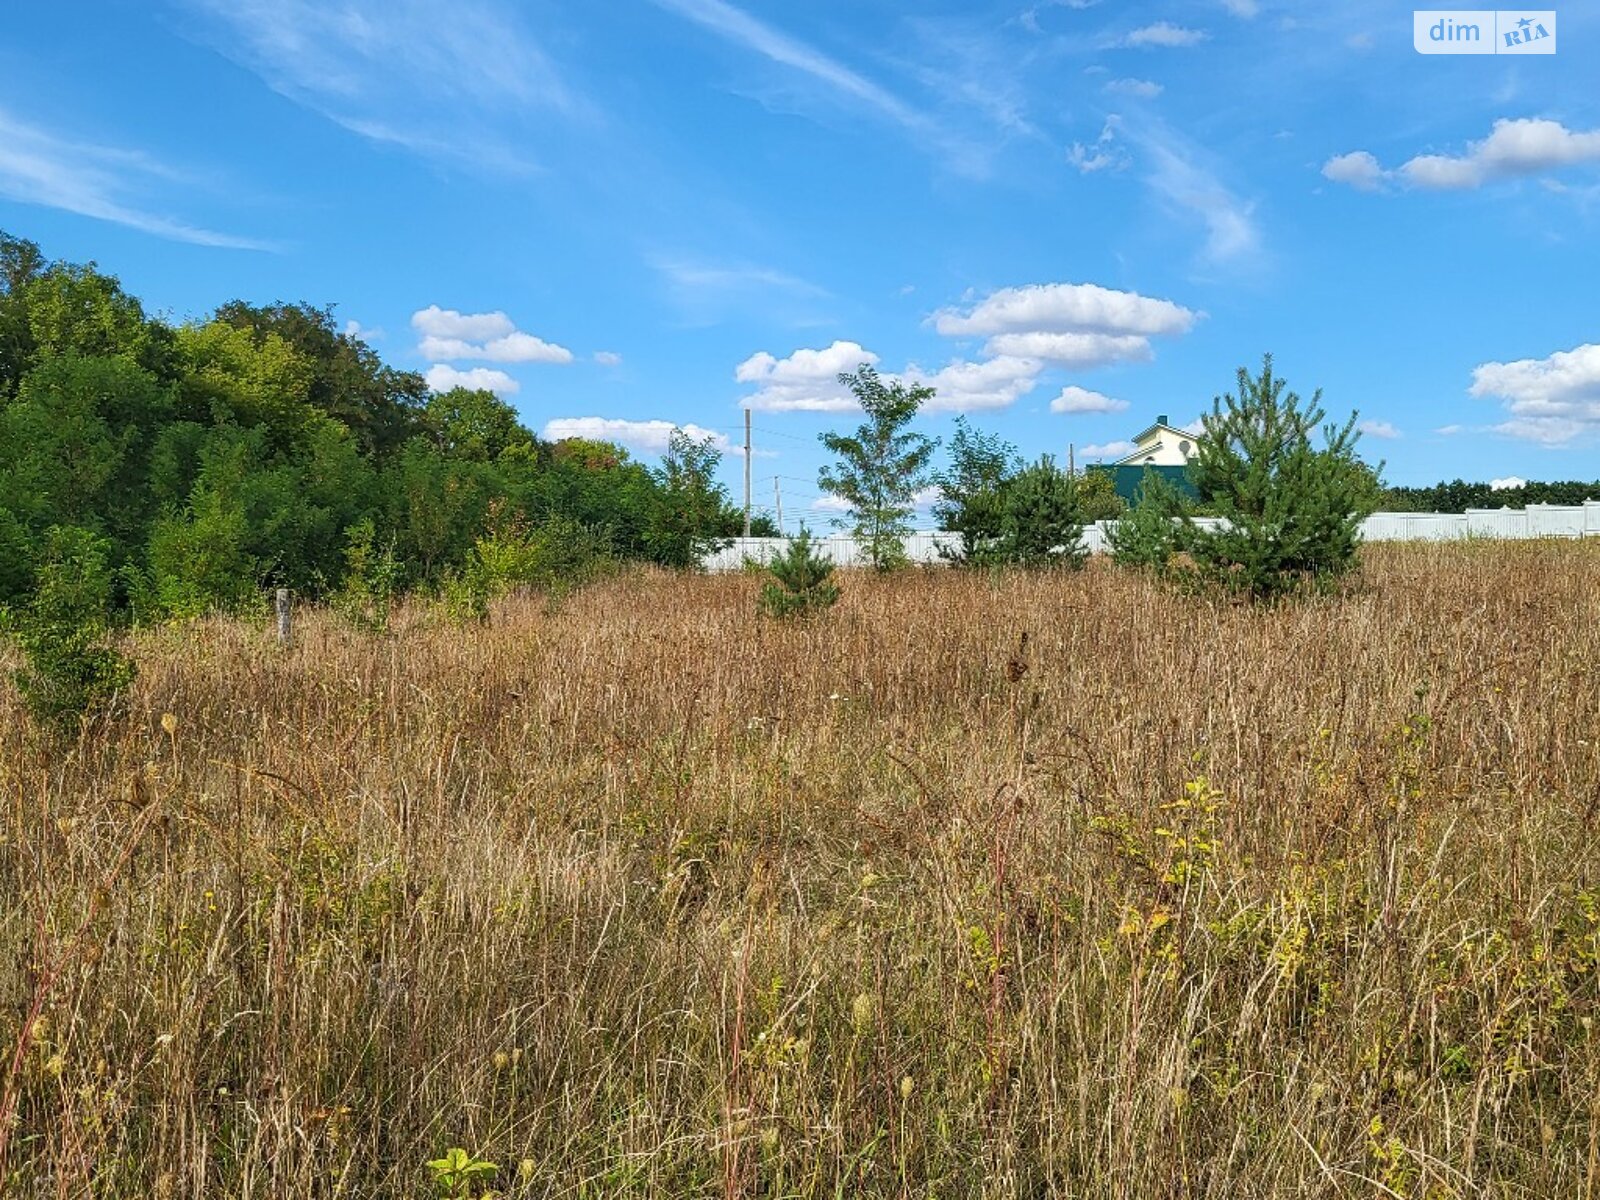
1068, 216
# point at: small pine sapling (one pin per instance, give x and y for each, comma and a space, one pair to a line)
800, 581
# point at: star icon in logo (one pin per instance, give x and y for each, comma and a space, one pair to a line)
1524, 23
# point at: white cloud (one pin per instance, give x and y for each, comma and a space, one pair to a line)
805, 381
1164, 33
648, 437
836, 504
355, 329
522, 347
451, 336
1102, 155
1450, 430
434, 321
1066, 324
1026, 331
1506, 484
608, 358
441, 378
100, 182
1248, 9
513, 348
1359, 169
1145, 89
1074, 399
1066, 308
1107, 450
1514, 148
808, 380
1378, 429
962, 386
1550, 400
1073, 349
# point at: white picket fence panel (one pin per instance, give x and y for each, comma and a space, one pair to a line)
1537, 520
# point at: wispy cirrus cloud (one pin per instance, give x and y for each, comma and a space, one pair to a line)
846, 85
739, 27
1182, 176
1142, 89
451, 80
705, 291
41, 167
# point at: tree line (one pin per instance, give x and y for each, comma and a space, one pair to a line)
200, 463
1459, 495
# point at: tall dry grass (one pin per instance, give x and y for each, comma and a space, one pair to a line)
1042, 886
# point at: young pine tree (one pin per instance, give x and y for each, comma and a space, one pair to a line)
800, 581
1146, 535
882, 466
1290, 510
1041, 522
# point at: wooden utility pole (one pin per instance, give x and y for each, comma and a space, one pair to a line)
747, 472
777, 503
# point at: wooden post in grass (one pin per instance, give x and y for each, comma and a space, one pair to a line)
281, 601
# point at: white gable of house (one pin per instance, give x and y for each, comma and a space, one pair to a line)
1161, 446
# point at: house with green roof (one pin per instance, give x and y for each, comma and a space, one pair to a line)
1162, 448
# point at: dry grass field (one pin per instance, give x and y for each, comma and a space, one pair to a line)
1028, 886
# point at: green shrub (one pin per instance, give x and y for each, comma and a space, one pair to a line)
372, 577
466, 593
71, 675
1007, 514
555, 557
199, 562
800, 581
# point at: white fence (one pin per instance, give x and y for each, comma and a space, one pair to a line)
1537, 520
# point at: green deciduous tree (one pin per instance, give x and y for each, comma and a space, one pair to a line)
882, 466
688, 518
971, 491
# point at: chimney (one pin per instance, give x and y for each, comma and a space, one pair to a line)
1162, 419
